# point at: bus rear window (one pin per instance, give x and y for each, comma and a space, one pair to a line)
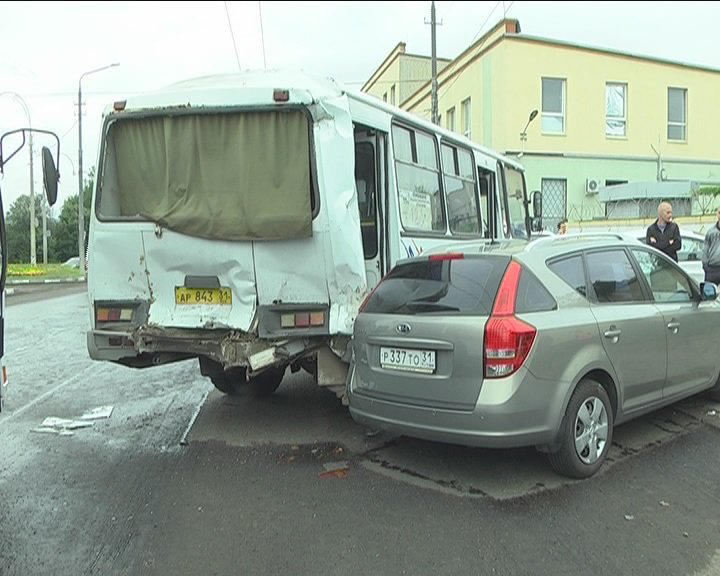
231, 176
463, 286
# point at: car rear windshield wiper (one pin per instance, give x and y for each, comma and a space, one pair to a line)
425, 306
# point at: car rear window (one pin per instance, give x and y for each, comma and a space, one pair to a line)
463, 286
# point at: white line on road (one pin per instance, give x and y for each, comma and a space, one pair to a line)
42, 397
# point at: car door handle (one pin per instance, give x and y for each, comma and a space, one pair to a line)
674, 327
612, 333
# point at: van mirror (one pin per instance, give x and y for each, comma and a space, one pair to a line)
537, 204
50, 176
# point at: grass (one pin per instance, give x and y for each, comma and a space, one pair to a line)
40, 272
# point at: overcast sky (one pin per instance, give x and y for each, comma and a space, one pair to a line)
46, 47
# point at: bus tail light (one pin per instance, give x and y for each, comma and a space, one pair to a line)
113, 314
302, 319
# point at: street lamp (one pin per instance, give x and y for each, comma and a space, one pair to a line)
523, 134
81, 215
33, 255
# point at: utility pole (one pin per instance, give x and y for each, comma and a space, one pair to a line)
434, 115
33, 250
81, 189
433, 25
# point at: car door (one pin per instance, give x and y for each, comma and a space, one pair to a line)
690, 325
631, 328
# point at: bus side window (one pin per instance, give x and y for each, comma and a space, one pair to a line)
366, 195
485, 203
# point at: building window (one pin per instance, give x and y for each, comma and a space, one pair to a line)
553, 106
450, 119
616, 110
392, 95
466, 118
677, 114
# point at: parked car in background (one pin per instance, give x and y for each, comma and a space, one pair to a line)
549, 343
690, 254
73, 262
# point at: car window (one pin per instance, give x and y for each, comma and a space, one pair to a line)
691, 249
667, 283
613, 278
572, 272
532, 296
442, 286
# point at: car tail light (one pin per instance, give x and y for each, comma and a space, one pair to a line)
507, 338
447, 256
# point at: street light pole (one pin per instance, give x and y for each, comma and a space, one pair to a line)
81, 203
33, 255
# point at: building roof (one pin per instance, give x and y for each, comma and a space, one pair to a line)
510, 30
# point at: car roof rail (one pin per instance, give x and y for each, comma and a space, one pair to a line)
544, 241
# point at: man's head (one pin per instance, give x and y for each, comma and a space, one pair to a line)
665, 212
562, 226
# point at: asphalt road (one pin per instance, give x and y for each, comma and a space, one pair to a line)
180, 479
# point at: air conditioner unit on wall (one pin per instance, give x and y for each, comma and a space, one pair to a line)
592, 185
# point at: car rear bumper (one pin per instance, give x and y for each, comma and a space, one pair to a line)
510, 412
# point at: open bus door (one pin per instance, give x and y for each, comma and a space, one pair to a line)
50, 182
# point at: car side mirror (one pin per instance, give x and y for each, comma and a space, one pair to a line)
708, 291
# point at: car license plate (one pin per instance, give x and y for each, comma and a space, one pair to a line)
406, 359
222, 296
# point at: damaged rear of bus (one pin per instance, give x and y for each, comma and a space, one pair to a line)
221, 231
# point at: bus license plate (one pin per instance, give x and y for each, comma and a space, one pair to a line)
406, 359
221, 296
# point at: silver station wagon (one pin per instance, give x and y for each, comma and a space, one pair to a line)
547, 344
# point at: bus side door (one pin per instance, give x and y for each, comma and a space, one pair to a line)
370, 186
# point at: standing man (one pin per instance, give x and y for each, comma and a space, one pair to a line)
664, 234
711, 252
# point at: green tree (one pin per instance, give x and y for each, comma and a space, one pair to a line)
707, 197
18, 229
64, 239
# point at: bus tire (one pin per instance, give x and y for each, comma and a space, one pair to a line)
265, 383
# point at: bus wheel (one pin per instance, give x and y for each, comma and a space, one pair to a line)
228, 382
265, 383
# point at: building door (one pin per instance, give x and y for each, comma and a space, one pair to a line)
554, 195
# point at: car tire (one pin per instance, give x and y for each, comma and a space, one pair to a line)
585, 432
714, 392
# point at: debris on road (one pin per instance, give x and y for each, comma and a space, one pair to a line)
65, 426
629, 517
335, 470
663, 503
99, 413
61, 426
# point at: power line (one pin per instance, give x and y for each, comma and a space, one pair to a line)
262, 33
505, 10
232, 34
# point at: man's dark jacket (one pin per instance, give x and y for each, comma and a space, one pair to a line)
662, 239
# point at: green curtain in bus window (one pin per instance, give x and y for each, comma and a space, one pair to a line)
243, 176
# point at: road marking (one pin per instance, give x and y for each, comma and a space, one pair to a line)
42, 397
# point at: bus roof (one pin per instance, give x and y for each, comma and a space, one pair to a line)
253, 87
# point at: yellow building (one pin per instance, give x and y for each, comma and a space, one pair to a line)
603, 117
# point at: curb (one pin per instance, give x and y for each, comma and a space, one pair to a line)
46, 281
17, 286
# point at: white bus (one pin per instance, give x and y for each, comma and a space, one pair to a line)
242, 219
